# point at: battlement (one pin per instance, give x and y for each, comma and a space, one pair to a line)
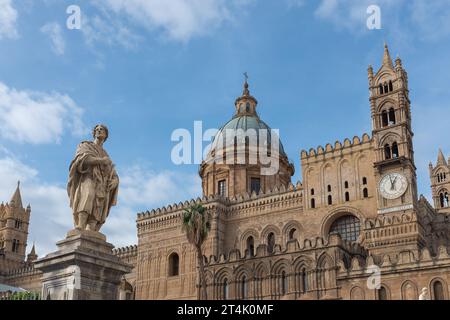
396, 261
246, 198
125, 251
292, 246
27, 270
338, 147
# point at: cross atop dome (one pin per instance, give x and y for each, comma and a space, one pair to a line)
246, 104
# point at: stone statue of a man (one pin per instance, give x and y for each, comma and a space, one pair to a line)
93, 182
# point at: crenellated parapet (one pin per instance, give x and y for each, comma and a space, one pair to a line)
338, 147
396, 262
283, 197
292, 246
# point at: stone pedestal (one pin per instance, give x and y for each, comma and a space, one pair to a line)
83, 268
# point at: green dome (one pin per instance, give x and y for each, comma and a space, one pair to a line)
245, 123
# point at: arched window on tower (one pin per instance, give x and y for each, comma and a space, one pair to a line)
312, 191
174, 265
386, 88
381, 89
384, 118
364, 180
395, 150
329, 188
313, 204
391, 116
251, 246
387, 152
330, 200
391, 87
441, 200
347, 196
346, 184
270, 242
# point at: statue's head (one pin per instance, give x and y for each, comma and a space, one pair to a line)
100, 130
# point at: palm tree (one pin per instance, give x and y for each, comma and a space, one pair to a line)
196, 224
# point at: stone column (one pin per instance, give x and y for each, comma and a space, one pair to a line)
83, 268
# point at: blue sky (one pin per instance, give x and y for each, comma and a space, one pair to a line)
146, 68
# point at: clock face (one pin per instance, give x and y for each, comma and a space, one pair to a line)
393, 185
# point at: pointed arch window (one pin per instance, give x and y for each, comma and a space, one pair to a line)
391, 87
387, 152
384, 118
174, 265
395, 153
251, 246
270, 242
225, 289
392, 116
444, 199
438, 290
304, 280
244, 288
386, 87
380, 87
284, 283
382, 293
292, 234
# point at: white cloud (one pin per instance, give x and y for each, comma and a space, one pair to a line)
51, 218
37, 117
8, 20
108, 31
54, 31
180, 19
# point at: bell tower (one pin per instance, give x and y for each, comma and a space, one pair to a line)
440, 184
394, 166
14, 221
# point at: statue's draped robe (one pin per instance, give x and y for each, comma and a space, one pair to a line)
88, 185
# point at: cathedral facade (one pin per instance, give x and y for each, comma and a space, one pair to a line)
354, 228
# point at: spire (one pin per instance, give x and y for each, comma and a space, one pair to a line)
33, 250
441, 158
17, 198
387, 57
32, 256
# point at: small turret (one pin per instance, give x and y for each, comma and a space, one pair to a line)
32, 256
